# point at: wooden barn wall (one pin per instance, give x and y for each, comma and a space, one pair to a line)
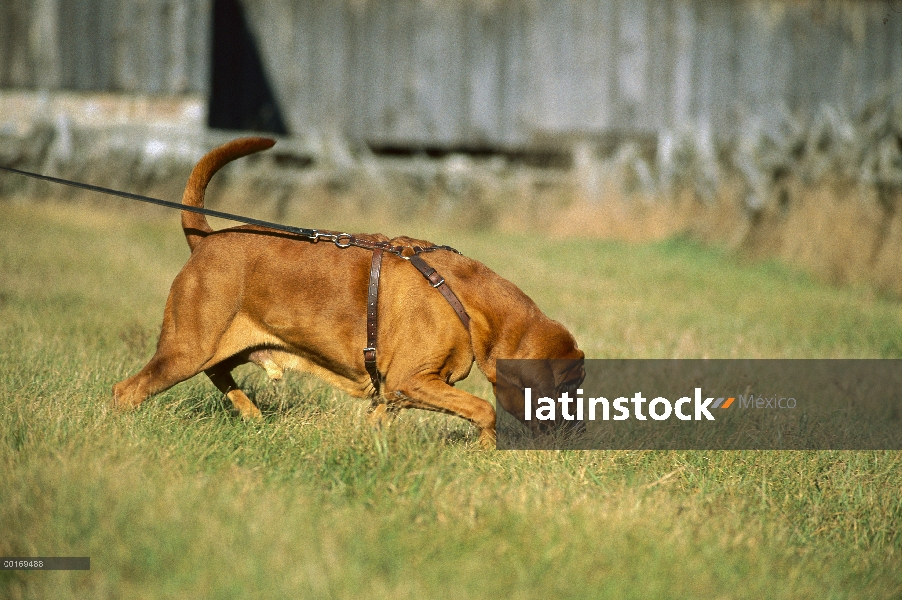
481, 72
131, 46
472, 72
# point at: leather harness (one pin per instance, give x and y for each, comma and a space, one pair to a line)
344, 240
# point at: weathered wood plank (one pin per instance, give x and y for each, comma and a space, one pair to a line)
633, 62
484, 75
684, 73
479, 72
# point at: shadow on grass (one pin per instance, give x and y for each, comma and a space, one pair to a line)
303, 400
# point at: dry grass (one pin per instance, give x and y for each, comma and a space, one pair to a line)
838, 231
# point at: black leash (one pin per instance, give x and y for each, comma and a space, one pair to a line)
301, 231
342, 240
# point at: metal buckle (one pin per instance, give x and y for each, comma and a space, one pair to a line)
435, 285
365, 358
317, 235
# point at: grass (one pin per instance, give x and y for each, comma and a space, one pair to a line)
183, 499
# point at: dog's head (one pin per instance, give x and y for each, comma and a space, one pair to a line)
550, 367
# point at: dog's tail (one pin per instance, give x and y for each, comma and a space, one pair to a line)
195, 224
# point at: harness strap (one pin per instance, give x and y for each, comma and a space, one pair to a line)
372, 308
438, 282
372, 319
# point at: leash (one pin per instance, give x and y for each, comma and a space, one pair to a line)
341, 240
299, 231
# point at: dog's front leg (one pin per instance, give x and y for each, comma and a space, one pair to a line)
431, 393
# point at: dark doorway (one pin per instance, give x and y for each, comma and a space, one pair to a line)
240, 95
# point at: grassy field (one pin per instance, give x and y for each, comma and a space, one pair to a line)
184, 499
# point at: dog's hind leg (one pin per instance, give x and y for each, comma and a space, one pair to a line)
192, 339
162, 372
434, 394
181, 354
221, 376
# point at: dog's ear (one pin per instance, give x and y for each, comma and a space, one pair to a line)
512, 377
508, 388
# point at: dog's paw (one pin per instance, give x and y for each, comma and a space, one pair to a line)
245, 407
251, 413
487, 439
120, 401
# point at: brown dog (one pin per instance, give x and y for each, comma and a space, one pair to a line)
251, 294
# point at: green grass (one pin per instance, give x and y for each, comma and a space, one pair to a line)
183, 499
